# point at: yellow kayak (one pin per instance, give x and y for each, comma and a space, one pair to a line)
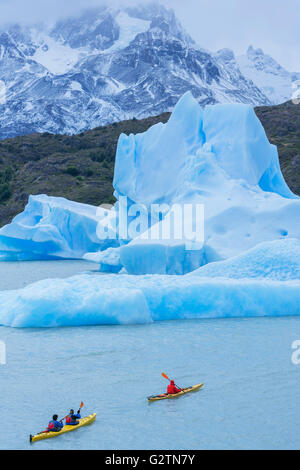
47, 435
164, 396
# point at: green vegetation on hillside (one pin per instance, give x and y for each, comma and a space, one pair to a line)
78, 167
81, 167
282, 126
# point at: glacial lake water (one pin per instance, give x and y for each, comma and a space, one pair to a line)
250, 397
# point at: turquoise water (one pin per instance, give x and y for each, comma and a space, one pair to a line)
15, 275
250, 398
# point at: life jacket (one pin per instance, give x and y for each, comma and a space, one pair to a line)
172, 388
69, 419
50, 426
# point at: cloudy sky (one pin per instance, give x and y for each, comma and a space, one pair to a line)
273, 25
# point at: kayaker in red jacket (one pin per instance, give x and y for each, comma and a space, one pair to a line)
172, 389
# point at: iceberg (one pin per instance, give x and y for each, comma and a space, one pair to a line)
217, 158
108, 260
264, 281
220, 158
98, 299
278, 260
53, 228
149, 167
241, 260
152, 167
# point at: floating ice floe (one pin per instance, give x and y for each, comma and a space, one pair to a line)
108, 260
278, 260
52, 228
254, 284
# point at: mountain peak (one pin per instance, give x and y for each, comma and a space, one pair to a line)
254, 52
227, 55
268, 75
109, 64
8, 47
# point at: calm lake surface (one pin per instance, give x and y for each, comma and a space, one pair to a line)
250, 398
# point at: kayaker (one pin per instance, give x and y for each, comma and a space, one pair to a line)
71, 419
172, 389
54, 425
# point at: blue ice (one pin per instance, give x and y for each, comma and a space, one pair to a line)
52, 228
246, 264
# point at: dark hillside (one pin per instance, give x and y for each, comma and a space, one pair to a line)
282, 125
78, 167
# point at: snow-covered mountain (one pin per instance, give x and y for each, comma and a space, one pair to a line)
107, 65
273, 80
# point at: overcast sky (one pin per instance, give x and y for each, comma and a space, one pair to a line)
273, 25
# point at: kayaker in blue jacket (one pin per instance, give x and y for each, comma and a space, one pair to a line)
54, 425
71, 419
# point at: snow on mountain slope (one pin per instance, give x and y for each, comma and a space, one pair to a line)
274, 81
129, 28
126, 62
56, 57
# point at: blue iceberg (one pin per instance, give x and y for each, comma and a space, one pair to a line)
220, 158
256, 283
242, 261
52, 228
108, 260
278, 260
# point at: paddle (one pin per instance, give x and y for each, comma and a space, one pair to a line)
81, 405
166, 377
